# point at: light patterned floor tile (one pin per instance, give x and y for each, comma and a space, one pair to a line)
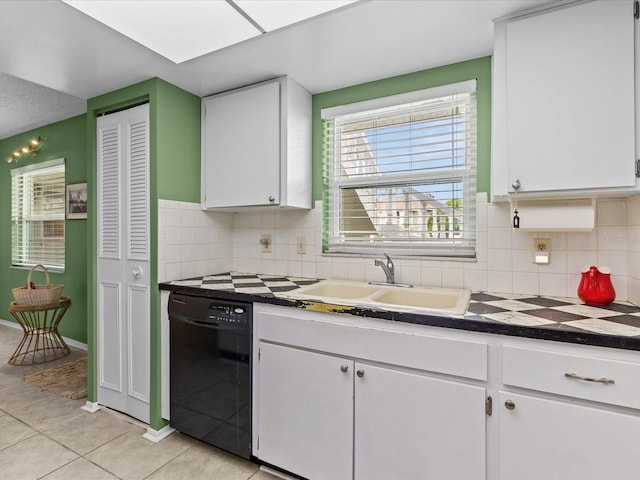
89, 431
18, 463
132, 457
50, 413
201, 462
20, 396
13, 431
80, 469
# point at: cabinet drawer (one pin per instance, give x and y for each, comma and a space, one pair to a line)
590, 378
306, 330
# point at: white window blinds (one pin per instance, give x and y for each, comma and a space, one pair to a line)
401, 177
37, 215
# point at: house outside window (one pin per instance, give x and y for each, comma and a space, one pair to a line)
400, 174
37, 215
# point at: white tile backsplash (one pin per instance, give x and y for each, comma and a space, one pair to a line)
499, 282
582, 240
611, 212
553, 284
504, 264
192, 242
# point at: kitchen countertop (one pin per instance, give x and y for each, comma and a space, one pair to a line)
550, 318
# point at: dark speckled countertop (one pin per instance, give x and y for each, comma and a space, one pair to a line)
559, 319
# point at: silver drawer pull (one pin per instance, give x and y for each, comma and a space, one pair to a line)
590, 379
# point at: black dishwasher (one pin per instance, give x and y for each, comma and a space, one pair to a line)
210, 369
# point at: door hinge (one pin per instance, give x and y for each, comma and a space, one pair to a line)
636, 9
488, 406
259, 353
258, 443
638, 168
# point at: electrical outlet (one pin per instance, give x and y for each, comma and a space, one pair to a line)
301, 245
265, 241
542, 250
542, 244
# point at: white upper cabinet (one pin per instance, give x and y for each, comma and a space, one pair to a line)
256, 147
563, 101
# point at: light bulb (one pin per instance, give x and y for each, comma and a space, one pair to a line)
9, 159
25, 149
17, 153
35, 141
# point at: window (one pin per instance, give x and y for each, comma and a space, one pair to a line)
37, 215
400, 174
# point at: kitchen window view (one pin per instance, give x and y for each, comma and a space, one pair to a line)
401, 178
37, 215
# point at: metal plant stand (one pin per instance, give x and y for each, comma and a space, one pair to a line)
41, 341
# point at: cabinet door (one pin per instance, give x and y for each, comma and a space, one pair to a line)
242, 147
410, 426
544, 439
570, 98
306, 412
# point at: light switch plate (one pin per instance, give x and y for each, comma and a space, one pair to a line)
301, 246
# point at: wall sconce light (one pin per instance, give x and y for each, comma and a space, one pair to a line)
32, 149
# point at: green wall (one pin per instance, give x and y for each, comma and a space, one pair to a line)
178, 130
480, 69
174, 174
65, 139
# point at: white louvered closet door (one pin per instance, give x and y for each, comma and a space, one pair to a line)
123, 261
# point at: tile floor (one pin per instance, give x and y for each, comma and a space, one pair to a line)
45, 436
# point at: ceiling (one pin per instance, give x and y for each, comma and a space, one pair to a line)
54, 57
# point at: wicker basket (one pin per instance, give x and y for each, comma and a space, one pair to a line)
38, 294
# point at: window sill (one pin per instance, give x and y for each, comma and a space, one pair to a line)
401, 257
49, 269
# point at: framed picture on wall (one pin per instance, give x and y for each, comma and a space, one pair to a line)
77, 201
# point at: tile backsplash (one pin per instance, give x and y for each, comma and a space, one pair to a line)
193, 242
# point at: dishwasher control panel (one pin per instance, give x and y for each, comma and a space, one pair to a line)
229, 313
209, 311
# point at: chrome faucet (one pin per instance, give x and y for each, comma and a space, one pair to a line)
388, 268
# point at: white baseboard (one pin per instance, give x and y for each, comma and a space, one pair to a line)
156, 435
91, 407
69, 341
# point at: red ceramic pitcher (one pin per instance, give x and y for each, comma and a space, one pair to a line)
595, 286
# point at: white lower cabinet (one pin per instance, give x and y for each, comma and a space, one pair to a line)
412, 426
343, 397
326, 417
340, 402
568, 413
543, 439
306, 412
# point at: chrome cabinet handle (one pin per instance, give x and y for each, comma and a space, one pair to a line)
510, 405
360, 373
590, 379
344, 368
272, 198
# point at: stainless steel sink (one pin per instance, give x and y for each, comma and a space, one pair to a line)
448, 301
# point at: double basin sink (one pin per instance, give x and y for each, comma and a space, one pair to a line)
417, 299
